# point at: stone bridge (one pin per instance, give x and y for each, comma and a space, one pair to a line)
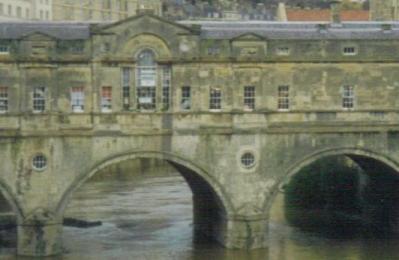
236, 108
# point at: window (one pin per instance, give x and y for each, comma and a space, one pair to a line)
283, 97
214, 50
47, 15
283, 51
349, 50
39, 99
41, 15
185, 98
27, 13
166, 84
39, 162
9, 10
249, 97
77, 99
3, 99
126, 88
248, 160
146, 80
106, 99
4, 49
1, 8
19, 12
215, 99
348, 97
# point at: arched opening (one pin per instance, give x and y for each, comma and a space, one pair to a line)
143, 202
336, 199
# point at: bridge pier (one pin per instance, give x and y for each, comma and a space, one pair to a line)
39, 240
245, 234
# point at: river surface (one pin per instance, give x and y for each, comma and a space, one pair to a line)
151, 218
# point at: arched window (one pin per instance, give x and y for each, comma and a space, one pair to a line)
146, 80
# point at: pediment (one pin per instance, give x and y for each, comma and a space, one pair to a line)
145, 22
249, 37
38, 36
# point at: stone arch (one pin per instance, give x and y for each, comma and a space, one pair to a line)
150, 41
175, 160
357, 154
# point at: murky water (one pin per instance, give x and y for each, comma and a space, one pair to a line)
151, 218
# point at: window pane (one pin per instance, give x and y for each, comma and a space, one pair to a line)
106, 99
39, 99
249, 97
3, 99
186, 98
283, 98
77, 99
215, 99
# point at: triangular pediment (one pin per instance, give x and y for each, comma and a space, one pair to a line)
249, 37
144, 20
38, 36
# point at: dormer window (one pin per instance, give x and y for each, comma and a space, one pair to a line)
349, 50
283, 51
214, 50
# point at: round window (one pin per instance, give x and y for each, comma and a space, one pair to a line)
39, 162
248, 160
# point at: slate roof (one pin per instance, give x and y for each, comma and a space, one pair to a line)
59, 30
296, 30
220, 29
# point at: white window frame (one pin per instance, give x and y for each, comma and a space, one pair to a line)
348, 97
283, 51
39, 99
215, 99
249, 98
126, 75
283, 98
4, 100
166, 86
349, 50
77, 99
106, 100
146, 81
185, 103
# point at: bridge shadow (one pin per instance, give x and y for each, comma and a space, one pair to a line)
143, 202
344, 197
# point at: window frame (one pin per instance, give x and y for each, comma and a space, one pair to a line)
146, 80
39, 95
185, 98
4, 100
249, 98
77, 99
283, 98
126, 75
106, 99
215, 99
345, 49
348, 97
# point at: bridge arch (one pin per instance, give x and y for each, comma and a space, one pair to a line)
209, 197
363, 157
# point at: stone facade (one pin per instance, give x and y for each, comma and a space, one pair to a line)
26, 10
384, 10
237, 108
101, 10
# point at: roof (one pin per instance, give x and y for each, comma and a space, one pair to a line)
217, 29
296, 30
59, 30
325, 15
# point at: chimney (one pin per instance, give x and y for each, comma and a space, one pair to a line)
281, 13
335, 6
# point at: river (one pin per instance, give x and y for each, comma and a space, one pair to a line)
151, 218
